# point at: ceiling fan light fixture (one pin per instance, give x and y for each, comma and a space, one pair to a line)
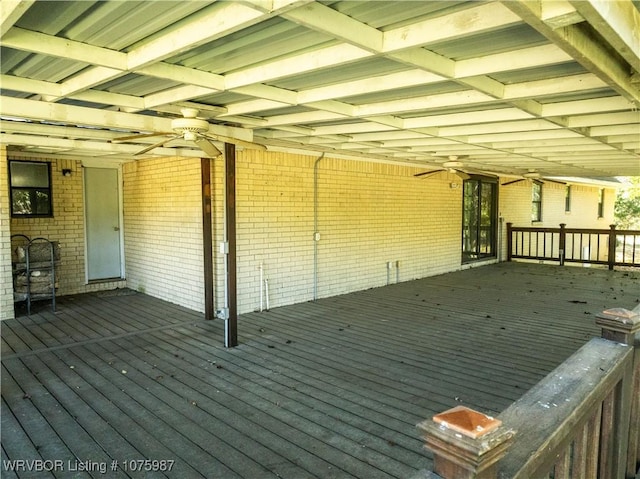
532, 174
452, 164
183, 125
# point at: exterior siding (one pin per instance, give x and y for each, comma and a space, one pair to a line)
368, 215
67, 226
515, 207
163, 229
377, 223
6, 280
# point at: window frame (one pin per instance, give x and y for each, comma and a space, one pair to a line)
536, 204
32, 190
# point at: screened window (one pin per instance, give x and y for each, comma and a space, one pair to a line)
536, 202
567, 199
30, 188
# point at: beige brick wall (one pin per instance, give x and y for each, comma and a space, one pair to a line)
515, 207
163, 229
368, 214
66, 226
6, 281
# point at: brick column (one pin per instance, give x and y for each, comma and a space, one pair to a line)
6, 279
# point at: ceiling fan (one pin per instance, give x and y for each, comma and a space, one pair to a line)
452, 166
534, 175
191, 128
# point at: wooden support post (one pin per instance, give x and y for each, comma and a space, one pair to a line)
562, 243
457, 455
611, 259
623, 326
231, 325
207, 238
509, 241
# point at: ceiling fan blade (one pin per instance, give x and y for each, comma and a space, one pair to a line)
462, 174
141, 135
427, 173
208, 147
235, 141
512, 182
544, 180
155, 145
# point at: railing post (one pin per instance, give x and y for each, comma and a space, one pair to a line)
562, 243
466, 444
612, 246
623, 326
509, 241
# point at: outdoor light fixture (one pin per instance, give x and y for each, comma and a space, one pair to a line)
66, 172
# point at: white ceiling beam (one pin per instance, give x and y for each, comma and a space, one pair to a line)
51, 91
70, 114
618, 22
425, 60
10, 13
609, 130
177, 94
553, 86
486, 116
332, 56
279, 6
302, 118
334, 24
580, 121
483, 18
351, 129
582, 47
268, 92
541, 141
559, 13
51, 45
253, 106
101, 147
580, 107
26, 85
380, 83
219, 20
514, 60
128, 103
506, 137
88, 79
468, 97
182, 74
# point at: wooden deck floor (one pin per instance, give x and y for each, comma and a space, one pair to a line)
331, 389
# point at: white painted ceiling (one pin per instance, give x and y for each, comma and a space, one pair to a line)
505, 87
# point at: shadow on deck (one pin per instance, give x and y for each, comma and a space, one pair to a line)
331, 389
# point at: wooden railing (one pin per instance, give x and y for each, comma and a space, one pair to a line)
582, 421
610, 247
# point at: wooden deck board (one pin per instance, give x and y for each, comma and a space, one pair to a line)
326, 389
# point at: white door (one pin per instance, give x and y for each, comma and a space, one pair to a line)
102, 211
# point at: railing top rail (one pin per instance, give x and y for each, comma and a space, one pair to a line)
559, 403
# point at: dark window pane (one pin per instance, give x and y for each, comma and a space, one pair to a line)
29, 174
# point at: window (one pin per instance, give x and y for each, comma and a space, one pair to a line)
567, 199
30, 185
536, 201
601, 203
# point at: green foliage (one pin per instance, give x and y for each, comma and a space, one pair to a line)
627, 208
